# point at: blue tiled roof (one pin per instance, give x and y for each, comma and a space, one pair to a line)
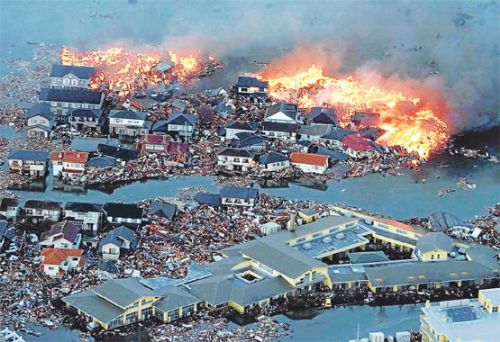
101, 162
128, 114
82, 72
209, 199
29, 155
272, 157
42, 109
239, 192
70, 95
178, 118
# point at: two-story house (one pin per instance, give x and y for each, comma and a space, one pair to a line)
57, 261
9, 207
37, 211
41, 121
33, 163
90, 214
181, 125
322, 115
71, 76
280, 130
123, 213
128, 124
313, 133
239, 196
233, 159
65, 234
68, 164
309, 162
120, 238
273, 161
251, 86
90, 119
63, 101
282, 112
233, 127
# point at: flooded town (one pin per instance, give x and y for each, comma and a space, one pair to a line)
214, 172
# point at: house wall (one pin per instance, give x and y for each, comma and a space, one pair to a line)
228, 162
311, 168
123, 220
88, 122
91, 220
110, 251
64, 108
35, 168
277, 166
57, 167
252, 90
436, 255
279, 135
51, 270
37, 132
280, 117
69, 81
53, 215
238, 202
38, 120
487, 303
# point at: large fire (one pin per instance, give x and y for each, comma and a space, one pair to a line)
407, 121
119, 69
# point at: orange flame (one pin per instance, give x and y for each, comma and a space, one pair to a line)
127, 71
407, 121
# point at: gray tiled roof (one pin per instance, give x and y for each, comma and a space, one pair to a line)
434, 241
128, 114
174, 298
272, 157
245, 81
122, 292
91, 304
70, 95
288, 109
82, 72
42, 109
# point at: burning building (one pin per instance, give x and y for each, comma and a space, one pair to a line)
406, 119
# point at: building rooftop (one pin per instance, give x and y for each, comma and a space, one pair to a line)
82, 72
42, 109
492, 294
434, 241
272, 157
127, 114
28, 155
245, 81
239, 192
309, 159
462, 320
70, 95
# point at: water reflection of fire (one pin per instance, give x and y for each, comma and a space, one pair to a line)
126, 71
407, 121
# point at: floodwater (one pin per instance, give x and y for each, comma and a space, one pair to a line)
333, 325
397, 196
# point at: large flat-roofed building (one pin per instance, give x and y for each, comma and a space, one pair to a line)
461, 320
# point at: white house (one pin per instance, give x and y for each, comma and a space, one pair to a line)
270, 228
33, 163
181, 125
280, 130
282, 112
41, 121
36, 211
68, 164
71, 76
57, 261
238, 196
9, 207
65, 234
251, 86
233, 127
90, 214
313, 133
309, 162
62, 101
273, 161
120, 238
127, 123
122, 213
233, 159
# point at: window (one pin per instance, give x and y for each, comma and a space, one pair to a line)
495, 309
74, 82
173, 315
65, 81
244, 89
147, 313
131, 318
